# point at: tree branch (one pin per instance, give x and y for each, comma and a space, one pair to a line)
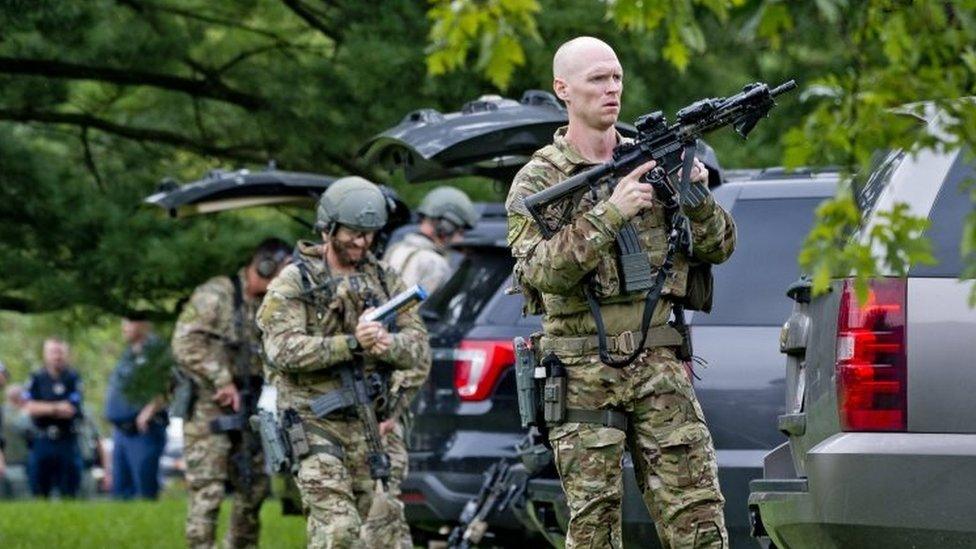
208, 87
212, 19
151, 135
307, 15
15, 304
90, 158
245, 55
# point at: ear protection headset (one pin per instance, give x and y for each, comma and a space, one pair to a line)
445, 228
267, 265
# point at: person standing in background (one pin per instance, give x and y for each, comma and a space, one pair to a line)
54, 404
139, 425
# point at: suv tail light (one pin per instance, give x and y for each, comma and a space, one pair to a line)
872, 380
478, 365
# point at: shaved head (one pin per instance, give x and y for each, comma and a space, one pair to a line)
588, 78
579, 53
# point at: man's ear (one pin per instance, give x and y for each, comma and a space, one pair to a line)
559, 86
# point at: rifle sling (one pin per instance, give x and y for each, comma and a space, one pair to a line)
654, 293
331, 447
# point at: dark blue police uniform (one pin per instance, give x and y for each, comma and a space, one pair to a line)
55, 460
135, 455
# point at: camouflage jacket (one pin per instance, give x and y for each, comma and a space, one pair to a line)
551, 272
307, 334
419, 261
205, 340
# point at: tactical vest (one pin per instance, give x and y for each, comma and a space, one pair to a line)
650, 228
333, 305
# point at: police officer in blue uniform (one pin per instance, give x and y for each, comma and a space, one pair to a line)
54, 404
140, 423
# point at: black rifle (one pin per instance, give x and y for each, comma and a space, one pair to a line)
497, 491
237, 425
377, 458
658, 141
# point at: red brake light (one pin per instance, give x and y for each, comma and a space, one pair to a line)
478, 365
872, 377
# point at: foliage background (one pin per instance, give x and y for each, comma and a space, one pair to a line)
101, 100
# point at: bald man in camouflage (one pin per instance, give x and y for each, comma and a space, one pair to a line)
649, 406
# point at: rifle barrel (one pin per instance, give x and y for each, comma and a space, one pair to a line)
783, 88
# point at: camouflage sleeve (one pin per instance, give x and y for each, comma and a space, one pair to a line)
287, 344
556, 265
198, 343
712, 232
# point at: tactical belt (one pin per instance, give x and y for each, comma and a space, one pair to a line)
332, 447
607, 418
624, 343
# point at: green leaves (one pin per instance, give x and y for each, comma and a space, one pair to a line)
920, 51
151, 378
836, 246
496, 26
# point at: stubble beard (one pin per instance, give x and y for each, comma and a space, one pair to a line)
344, 255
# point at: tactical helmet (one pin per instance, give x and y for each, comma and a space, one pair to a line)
450, 204
353, 202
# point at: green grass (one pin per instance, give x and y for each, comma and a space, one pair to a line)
118, 525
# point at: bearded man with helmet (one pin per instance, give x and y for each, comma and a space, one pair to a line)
313, 328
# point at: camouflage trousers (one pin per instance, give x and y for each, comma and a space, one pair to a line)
208, 468
392, 523
672, 450
338, 493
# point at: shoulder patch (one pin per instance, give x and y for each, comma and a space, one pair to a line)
552, 155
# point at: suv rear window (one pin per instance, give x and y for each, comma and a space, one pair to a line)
465, 294
750, 288
947, 217
882, 168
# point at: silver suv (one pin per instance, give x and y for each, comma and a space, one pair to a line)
879, 394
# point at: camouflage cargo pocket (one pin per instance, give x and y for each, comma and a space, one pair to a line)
684, 455
592, 451
593, 436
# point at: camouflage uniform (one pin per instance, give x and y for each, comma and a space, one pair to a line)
305, 336
201, 345
672, 450
419, 260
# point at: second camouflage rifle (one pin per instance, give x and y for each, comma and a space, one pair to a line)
665, 144
356, 394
